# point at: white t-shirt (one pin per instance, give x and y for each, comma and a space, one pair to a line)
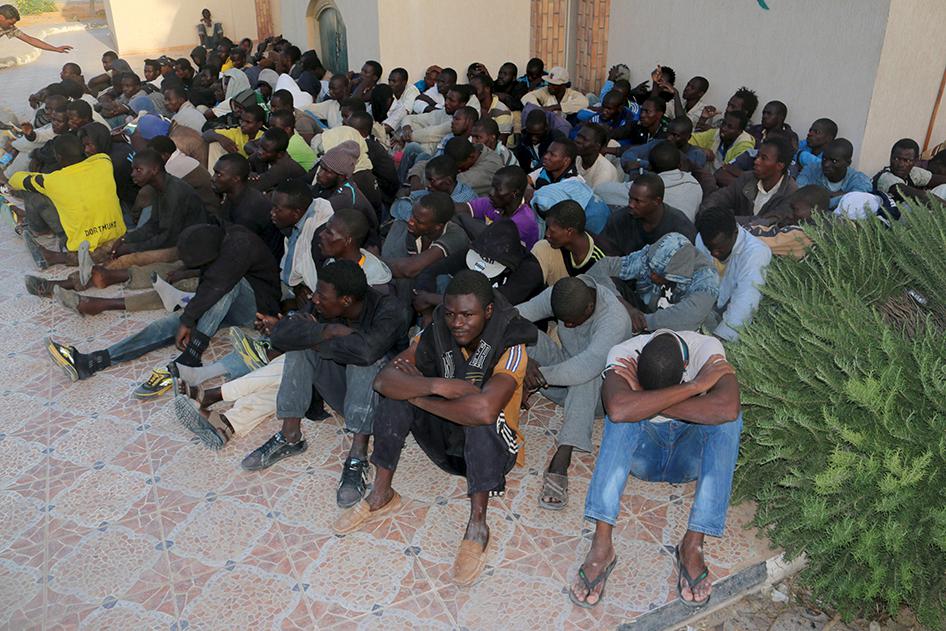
699, 349
763, 196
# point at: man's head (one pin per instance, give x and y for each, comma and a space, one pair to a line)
230, 174
8, 16
338, 164
557, 81
252, 120
560, 156
807, 200
71, 72
291, 200
734, 123
482, 86
238, 57
590, 140
457, 96
80, 113
272, 145
664, 157
613, 105
284, 120
130, 84
95, 138
573, 302
398, 81
362, 122
821, 132
903, 156
474, 69
199, 245
342, 285
508, 72
247, 45
431, 75
695, 89
205, 14
343, 234
107, 58
461, 151
836, 158
164, 146
508, 186
68, 150
441, 174
430, 214
184, 70
58, 118
446, 80
563, 222
339, 87
152, 69
463, 120
485, 132
371, 71
652, 111
662, 361
744, 100
773, 115
349, 106
146, 167
773, 159
535, 68
467, 306
646, 196
282, 100
536, 126
937, 164
679, 131
718, 230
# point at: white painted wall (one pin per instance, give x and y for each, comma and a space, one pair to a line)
819, 57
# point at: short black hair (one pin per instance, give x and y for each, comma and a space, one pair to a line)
282, 118
459, 149
353, 104
129, 75
162, 144
536, 62
294, 52
76, 68
598, 133
468, 112
488, 125
651, 182
450, 72
702, 82
150, 157
176, 88
110, 54
80, 107
714, 221
571, 149
71, 89
664, 157
462, 90
440, 204
68, 148
660, 363
669, 74
742, 118
466, 282
375, 66
298, 194
905, 143
783, 149
515, 176
442, 165
658, 102
568, 214
750, 102
278, 138
536, 116
813, 196
236, 163
831, 128
9, 12
362, 121
571, 298
257, 112
283, 95
346, 277
484, 79
355, 223
780, 108
939, 158
844, 145
613, 95
401, 72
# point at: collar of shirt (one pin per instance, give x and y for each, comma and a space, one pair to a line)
772, 190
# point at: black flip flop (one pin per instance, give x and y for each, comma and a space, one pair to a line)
683, 575
590, 585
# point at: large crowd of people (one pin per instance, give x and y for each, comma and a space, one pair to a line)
424, 254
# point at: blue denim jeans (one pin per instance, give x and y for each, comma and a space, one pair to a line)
413, 153
236, 308
674, 452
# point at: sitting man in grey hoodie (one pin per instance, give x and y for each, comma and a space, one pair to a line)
590, 321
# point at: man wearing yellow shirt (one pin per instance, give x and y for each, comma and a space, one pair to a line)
234, 139
725, 144
85, 206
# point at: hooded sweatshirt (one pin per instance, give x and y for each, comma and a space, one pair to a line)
682, 191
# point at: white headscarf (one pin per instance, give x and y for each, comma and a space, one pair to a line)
237, 82
299, 98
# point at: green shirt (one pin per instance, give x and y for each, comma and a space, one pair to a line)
300, 151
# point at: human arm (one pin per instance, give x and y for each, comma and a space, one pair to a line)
538, 308
221, 276
402, 381
226, 143
480, 408
686, 315
38, 43
746, 295
365, 346
412, 265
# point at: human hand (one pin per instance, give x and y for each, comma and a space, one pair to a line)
534, 379
626, 369
265, 323
708, 112
715, 368
424, 300
656, 74
454, 388
228, 145
613, 73
330, 331
118, 248
638, 320
406, 367
62, 49
183, 337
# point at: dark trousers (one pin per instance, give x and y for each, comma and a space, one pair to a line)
477, 453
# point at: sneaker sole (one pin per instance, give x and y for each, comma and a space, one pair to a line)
275, 460
194, 421
60, 361
36, 286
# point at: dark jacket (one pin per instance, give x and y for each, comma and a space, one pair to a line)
251, 209
242, 255
383, 323
273, 174
384, 169
740, 195
172, 210
627, 233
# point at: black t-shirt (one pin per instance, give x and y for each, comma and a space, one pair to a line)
628, 235
601, 247
521, 284
251, 210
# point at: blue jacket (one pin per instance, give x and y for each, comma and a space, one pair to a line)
854, 181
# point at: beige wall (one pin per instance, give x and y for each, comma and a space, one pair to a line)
908, 77
819, 57
146, 26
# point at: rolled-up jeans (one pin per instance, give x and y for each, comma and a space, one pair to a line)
237, 307
674, 452
413, 153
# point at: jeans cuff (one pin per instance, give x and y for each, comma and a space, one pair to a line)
596, 516
707, 530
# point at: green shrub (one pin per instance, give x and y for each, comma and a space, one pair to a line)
30, 7
843, 375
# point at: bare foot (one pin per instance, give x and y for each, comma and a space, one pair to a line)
90, 306
598, 559
99, 278
378, 498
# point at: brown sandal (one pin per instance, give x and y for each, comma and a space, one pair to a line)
470, 562
351, 519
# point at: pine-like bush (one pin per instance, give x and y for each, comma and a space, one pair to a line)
31, 7
843, 376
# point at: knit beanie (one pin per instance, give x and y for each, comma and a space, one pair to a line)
342, 158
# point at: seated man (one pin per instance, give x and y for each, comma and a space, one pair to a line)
567, 249
245, 205
490, 105
476, 165
485, 132
646, 218
238, 279
691, 104
189, 171
673, 416
617, 115
382, 164
333, 182
404, 94
635, 160
591, 165
505, 201
723, 145
671, 272
742, 100
175, 100
436, 83
652, 125
329, 110
590, 320
558, 164
421, 133
743, 163
306, 125
556, 95
298, 148
535, 140
773, 119
334, 358
822, 131
234, 139
743, 260
457, 390
791, 240
271, 165
461, 125
77, 203
440, 174
835, 172
681, 189
902, 178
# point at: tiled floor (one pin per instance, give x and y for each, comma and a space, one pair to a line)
111, 516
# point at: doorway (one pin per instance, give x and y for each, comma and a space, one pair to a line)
327, 29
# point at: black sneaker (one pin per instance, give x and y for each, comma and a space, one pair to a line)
35, 250
66, 358
353, 484
272, 451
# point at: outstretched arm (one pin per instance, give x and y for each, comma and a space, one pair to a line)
38, 43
